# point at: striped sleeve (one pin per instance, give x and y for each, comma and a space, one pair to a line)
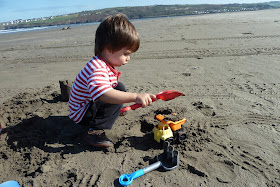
95, 79
98, 82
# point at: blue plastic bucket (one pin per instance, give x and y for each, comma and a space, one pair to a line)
10, 184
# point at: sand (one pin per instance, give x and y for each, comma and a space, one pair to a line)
226, 64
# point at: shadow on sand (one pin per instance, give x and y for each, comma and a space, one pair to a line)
53, 134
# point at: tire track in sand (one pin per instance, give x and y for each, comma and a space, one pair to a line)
238, 155
204, 138
195, 53
215, 39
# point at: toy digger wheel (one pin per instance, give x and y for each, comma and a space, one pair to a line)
181, 135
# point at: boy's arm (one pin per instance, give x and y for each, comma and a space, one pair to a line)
119, 97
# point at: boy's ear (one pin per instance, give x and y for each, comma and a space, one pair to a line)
108, 50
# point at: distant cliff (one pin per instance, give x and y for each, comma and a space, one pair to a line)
141, 12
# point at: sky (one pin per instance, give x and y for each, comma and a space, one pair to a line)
28, 9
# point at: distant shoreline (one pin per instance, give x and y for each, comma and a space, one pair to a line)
17, 30
137, 12
10, 31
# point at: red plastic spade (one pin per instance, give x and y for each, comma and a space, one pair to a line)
165, 95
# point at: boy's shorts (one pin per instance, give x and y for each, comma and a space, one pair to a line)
101, 115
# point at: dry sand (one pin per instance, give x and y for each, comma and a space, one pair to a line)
226, 64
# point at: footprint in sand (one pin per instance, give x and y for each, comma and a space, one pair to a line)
204, 109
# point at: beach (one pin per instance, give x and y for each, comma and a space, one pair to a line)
227, 65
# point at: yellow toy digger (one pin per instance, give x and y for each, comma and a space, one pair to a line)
169, 130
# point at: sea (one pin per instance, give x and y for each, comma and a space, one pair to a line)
70, 25
8, 31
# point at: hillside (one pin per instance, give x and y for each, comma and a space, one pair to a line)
141, 12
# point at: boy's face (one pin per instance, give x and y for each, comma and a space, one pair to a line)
118, 58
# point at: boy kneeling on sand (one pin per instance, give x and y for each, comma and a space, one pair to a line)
96, 95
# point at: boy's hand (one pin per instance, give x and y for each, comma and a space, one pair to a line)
145, 99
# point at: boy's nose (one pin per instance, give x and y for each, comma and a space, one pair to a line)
128, 58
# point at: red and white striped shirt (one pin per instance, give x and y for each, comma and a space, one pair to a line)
96, 78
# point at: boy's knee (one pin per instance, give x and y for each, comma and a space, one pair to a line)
120, 87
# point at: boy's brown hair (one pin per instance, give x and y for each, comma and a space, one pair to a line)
115, 33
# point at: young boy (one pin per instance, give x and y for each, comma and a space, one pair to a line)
96, 95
